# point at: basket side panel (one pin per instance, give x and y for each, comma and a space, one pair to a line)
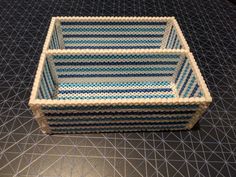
40, 118
113, 35
55, 42
185, 80
115, 67
173, 41
119, 117
48, 83
198, 114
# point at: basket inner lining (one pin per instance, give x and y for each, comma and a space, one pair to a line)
114, 35
124, 90
118, 76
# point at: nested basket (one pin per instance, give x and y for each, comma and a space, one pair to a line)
109, 74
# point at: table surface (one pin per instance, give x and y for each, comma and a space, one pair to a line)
208, 150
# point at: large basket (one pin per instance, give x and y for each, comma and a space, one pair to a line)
109, 74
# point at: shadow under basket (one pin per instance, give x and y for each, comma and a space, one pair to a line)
78, 91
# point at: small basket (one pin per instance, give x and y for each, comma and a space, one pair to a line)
115, 33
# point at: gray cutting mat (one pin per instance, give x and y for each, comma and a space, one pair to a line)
208, 150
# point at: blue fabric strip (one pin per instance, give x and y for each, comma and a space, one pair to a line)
119, 124
116, 97
120, 113
121, 29
111, 41
114, 75
79, 119
48, 88
41, 92
181, 80
115, 63
49, 71
181, 68
110, 107
117, 56
57, 37
115, 91
112, 35
52, 45
112, 47
44, 89
175, 38
194, 90
189, 86
81, 130
185, 82
115, 84
169, 37
112, 23
113, 69
48, 75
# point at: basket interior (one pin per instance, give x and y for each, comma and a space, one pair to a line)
115, 35
118, 76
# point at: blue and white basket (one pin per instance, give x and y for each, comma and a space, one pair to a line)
113, 74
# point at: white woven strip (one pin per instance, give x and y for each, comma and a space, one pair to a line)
113, 44
112, 19
114, 79
114, 72
60, 95
115, 66
128, 32
138, 26
113, 88
110, 39
119, 59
